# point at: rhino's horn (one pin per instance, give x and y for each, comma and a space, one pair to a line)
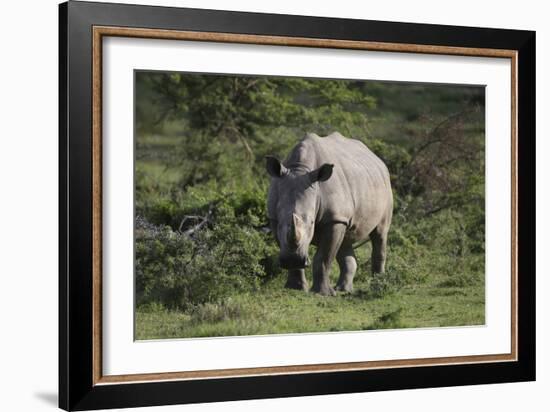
295, 231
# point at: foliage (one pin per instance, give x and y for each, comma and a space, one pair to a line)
204, 254
179, 270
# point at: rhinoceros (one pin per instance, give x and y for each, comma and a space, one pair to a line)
332, 192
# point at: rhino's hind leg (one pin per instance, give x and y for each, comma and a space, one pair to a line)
331, 238
296, 280
348, 266
379, 237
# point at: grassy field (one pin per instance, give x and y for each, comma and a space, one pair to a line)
206, 264
282, 311
439, 300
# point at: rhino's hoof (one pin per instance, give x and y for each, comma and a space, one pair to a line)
297, 286
324, 291
348, 288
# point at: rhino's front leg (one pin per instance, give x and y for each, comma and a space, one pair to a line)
330, 239
296, 279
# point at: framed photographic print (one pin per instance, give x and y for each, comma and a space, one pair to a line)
257, 205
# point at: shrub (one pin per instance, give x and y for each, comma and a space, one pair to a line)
179, 270
381, 285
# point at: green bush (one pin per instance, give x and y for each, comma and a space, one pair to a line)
381, 285
180, 270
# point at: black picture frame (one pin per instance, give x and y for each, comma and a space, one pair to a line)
77, 390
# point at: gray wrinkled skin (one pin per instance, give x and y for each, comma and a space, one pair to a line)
332, 192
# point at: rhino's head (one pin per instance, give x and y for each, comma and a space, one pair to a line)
293, 216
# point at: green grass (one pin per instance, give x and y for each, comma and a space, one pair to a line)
275, 310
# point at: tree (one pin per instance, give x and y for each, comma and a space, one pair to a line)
239, 108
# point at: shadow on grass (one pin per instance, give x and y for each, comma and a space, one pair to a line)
389, 320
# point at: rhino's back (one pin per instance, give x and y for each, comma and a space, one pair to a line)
359, 191
354, 158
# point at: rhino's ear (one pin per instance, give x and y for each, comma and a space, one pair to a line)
274, 167
323, 173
